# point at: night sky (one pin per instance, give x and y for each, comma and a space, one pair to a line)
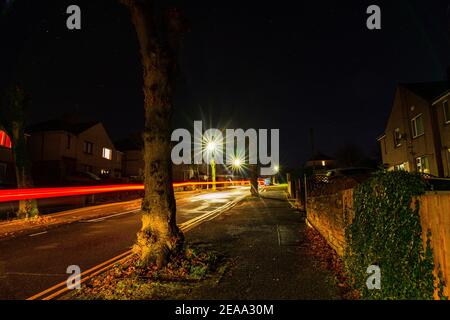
291, 65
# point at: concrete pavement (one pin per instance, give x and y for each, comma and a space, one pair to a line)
266, 239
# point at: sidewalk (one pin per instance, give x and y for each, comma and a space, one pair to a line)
266, 239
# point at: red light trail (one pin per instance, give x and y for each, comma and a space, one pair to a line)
43, 193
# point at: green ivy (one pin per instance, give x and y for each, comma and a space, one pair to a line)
386, 232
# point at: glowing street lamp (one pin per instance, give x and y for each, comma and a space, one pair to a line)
276, 169
237, 163
211, 147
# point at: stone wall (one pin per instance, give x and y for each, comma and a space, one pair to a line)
331, 214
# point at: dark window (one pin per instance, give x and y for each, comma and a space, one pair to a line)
3, 168
397, 137
88, 147
69, 141
446, 112
417, 126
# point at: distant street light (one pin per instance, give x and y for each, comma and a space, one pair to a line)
276, 169
237, 163
211, 146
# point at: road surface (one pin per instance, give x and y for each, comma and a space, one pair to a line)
33, 263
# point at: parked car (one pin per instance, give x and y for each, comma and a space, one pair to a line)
84, 178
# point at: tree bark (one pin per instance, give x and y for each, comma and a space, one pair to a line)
159, 236
13, 104
27, 208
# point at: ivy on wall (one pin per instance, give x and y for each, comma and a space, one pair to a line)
386, 232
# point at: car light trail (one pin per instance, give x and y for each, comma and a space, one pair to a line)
43, 193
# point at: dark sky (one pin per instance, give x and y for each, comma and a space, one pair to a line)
291, 65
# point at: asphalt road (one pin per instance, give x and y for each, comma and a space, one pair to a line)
33, 263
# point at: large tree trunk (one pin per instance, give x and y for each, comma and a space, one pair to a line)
27, 208
159, 235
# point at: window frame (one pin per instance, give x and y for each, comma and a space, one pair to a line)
88, 150
414, 126
445, 109
110, 153
422, 162
397, 139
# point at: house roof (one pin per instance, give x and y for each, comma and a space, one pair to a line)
132, 142
429, 91
62, 125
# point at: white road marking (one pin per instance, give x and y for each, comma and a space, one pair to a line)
112, 216
37, 234
200, 208
279, 236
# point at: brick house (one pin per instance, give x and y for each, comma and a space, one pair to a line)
62, 148
321, 162
417, 135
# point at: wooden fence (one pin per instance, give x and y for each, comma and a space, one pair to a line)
435, 216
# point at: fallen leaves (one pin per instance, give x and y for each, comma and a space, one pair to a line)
130, 281
329, 260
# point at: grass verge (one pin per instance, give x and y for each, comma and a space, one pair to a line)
195, 266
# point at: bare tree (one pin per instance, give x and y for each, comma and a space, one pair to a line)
159, 35
12, 120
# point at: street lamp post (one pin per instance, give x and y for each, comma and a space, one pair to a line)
213, 174
211, 147
277, 170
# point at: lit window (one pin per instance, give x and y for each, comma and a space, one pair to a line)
107, 153
417, 126
105, 172
423, 165
402, 167
446, 112
324, 164
5, 141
